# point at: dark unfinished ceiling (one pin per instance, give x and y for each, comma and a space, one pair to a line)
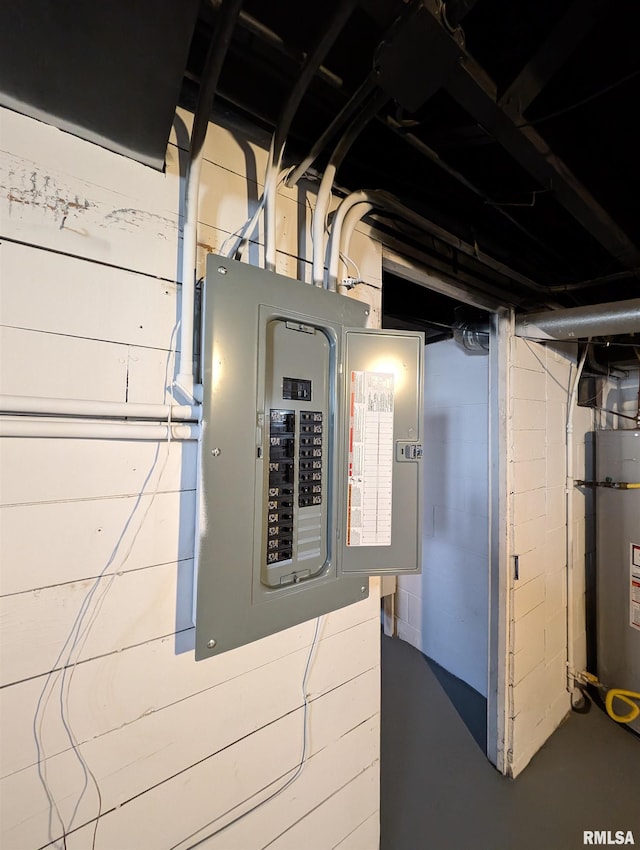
510, 125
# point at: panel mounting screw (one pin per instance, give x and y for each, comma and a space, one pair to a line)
211, 644
216, 452
363, 589
222, 269
366, 312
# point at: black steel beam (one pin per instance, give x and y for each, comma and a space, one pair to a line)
565, 37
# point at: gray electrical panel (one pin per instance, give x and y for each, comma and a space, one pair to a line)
311, 456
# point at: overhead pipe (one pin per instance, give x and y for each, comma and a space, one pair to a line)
345, 115
323, 200
386, 201
32, 405
97, 430
615, 317
279, 138
264, 33
209, 83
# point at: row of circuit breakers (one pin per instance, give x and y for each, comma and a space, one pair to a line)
311, 455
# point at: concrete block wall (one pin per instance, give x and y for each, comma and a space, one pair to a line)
115, 701
444, 611
540, 381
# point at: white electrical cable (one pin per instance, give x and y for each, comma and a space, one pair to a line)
76, 639
348, 261
290, 781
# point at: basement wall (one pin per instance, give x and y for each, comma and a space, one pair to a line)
540, 382
110, 730
444, 611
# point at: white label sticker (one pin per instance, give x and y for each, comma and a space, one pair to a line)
634, 589
370, 459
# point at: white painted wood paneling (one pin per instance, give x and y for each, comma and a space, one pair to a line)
157, 746
90, 469
55, 366
114, 690
82, 538
130, 608
329, 821
342, 742
150, 374
43, 206
366, 836
92, 241
44, 291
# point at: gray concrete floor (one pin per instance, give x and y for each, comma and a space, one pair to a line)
439, 792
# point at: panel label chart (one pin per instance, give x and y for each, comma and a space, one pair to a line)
634, 588
369, 494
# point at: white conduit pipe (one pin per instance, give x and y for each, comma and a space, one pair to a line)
326, 184
352, 200
278, 141
30, 405
569, 489
97, 430
208, 85
319, 223
351, 219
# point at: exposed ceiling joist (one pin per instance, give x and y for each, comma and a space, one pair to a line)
565, 37
531, 151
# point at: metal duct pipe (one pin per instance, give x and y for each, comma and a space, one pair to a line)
474, 336
616, 317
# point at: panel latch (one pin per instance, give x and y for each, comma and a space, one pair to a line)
408, 451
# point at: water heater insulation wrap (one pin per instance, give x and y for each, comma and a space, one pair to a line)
618, 546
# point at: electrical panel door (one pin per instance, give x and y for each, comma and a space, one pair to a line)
382, 479
278, 537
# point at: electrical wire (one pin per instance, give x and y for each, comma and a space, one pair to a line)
348, 261
244, 233
290, 781
67, 661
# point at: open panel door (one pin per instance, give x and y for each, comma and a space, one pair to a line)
381, 482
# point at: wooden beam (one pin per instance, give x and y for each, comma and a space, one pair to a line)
470, 86
565, 37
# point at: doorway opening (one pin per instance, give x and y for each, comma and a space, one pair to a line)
448, 612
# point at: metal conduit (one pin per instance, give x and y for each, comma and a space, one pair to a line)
615, 317
210, 75
326, 184
389, 203
278, 141
345, 114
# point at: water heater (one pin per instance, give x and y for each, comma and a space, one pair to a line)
618, 561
